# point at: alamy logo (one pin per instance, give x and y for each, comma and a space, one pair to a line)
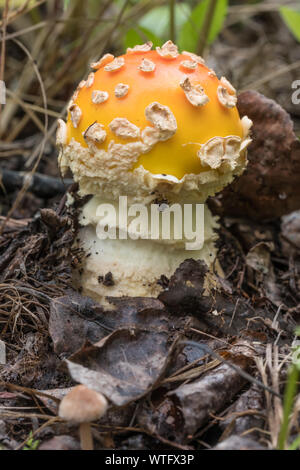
155, 222
2, 92
2, 353
296, 94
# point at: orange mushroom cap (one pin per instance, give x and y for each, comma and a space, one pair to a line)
126, 86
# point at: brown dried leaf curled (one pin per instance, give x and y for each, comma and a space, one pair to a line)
220, 312
73, 320
125, 365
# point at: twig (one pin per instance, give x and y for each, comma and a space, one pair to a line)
209, 336
22, 10
240, 371
16, 34
3, 46
42, 185
26, 109
37, 431
115, 25
272, 75
172, 20
30, 391
34, 293
126, 429
15, 414
203, 36
193, 373
43, 143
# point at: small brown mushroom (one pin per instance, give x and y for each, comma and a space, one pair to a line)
82, 406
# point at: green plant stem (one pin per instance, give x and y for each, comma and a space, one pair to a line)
295, 444
289, 395
172, 20
203, 36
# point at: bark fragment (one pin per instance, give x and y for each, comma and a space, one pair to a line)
121, 90
162, 118
124, 128
116, 64
189, 64
90, 80
103, 61
194, 93
99, 96
227, 100
168, 50
76, 115
140, 48
94, 134
195, 57
147, 65
61, 133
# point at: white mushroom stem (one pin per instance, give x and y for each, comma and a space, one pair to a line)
134, 266
86, 438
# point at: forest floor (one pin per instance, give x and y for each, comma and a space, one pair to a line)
221, 362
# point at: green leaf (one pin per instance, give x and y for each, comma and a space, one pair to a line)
292, 20
157, 20
31, 444
188, 37
140, 35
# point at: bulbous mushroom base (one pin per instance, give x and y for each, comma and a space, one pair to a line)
135, 268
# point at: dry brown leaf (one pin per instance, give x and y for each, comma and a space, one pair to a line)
125, 365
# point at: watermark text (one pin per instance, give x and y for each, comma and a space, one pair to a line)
152, 221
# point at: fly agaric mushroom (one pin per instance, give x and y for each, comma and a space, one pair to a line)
82, 406
154, 126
